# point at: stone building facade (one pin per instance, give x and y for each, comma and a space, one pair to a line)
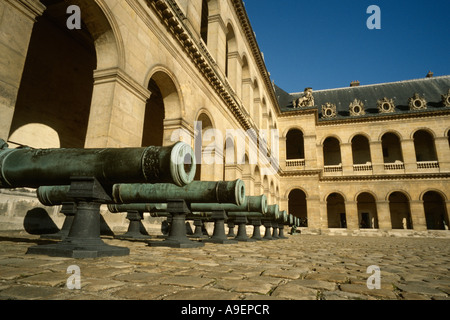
153, 72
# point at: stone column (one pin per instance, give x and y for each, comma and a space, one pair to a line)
313, 206
320, 160
247, 96
311, 152
376, 153
235, 72
17, 18
443, 153
351, 213
384, 215
323, 214
217, 39
347, 158
418, 215
117, 111
282, 153
409, 155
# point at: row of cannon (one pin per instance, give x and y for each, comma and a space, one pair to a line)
157, 180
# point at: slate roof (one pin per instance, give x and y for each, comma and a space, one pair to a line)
429, 88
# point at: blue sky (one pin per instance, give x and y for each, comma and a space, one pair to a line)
326, 44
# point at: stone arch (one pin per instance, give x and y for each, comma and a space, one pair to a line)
400, 211
332, 151
436, 215
359, 134
361, 149
424, 145
297, 205
391, 147
170, 89
231, 48
336, 212
295, 144
47, 138
57, 86
367, 210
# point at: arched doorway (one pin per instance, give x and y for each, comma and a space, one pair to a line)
57, 81
400, 211
297, 206
336, 211
435, 211
367, 211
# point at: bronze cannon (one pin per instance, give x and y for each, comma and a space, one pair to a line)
27, 167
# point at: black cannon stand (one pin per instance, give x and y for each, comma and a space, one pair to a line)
219, 229
83, 240
256, 229
136, 230
230, 225
177, 237
68, 209
199, 232
281, 232
275, 231
241, 221
267, 234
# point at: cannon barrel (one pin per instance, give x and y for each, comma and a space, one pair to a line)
27, 167
140, 207
251, 204
148, 196
232, 192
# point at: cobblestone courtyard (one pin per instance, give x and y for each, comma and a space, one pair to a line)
302, 267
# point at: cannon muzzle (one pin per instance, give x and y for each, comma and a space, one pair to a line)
27, 167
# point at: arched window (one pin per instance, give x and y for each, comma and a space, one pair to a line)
206, 124
392, 150
295, 148
331, 152
360, 150
424, 146
204, 21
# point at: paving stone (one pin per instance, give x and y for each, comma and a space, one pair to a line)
30, 293
362, 289
279, 273
203, 294
421, 288
316, 284
139, 277
187, 281
146, 292
46, 279
293, 291
259, 286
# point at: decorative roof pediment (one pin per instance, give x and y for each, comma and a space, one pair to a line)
446, 99
416, 102
356, 108
329, 110
386, 105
